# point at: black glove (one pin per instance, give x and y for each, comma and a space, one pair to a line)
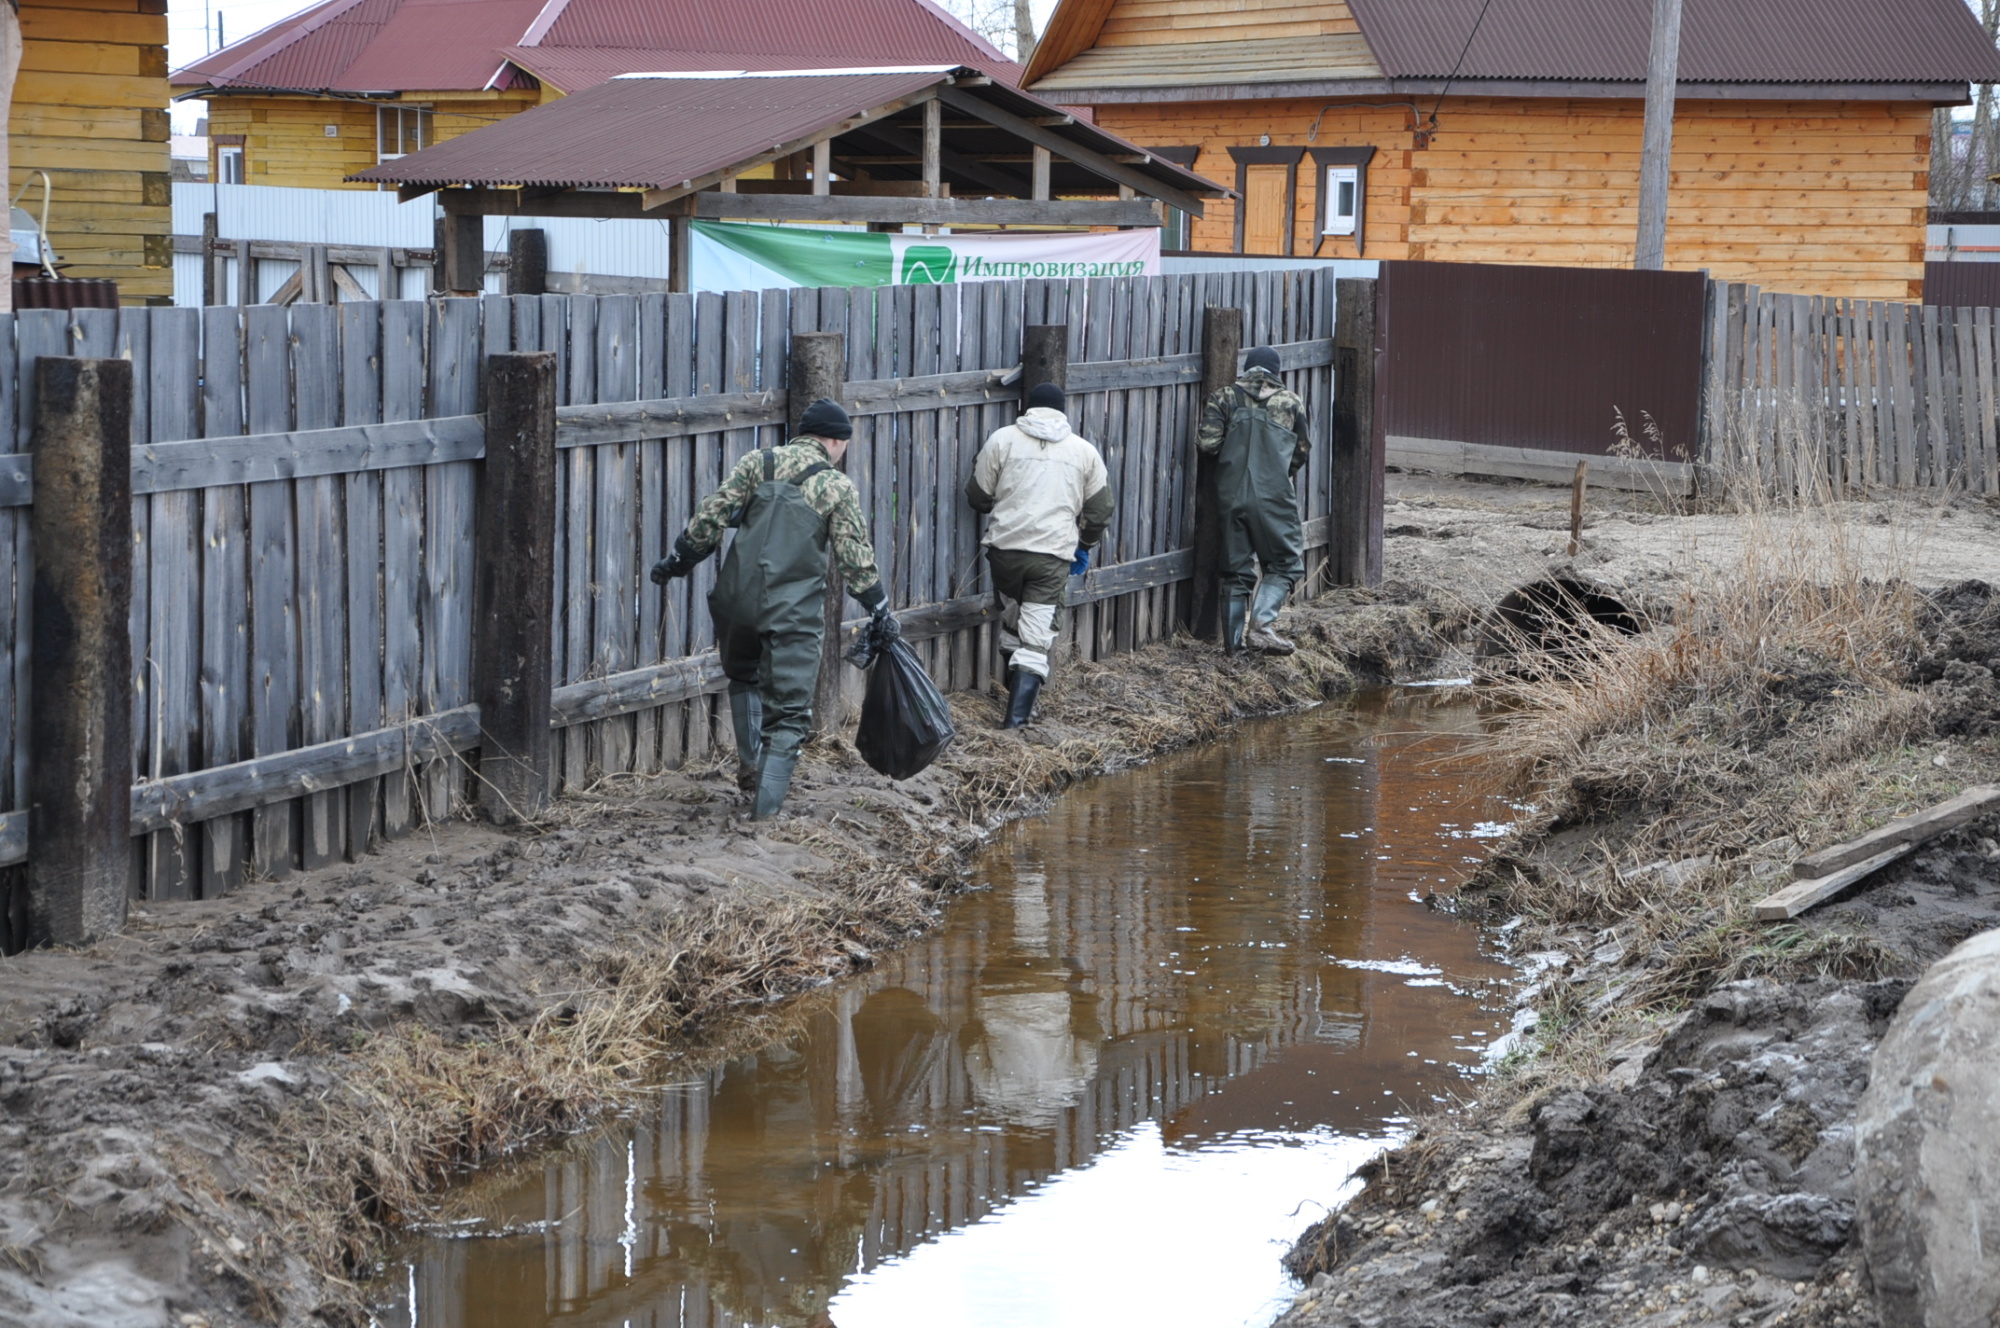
684, 561
885, 626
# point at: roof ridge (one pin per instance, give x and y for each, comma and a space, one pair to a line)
297, 27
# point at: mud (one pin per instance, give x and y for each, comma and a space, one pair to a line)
166, 1092
1701, 1169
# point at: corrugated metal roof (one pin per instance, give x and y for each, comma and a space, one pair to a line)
1722, 41
576, 68
636, 132
1344, 55
446, 45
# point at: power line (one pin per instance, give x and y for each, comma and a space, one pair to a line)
1431, 128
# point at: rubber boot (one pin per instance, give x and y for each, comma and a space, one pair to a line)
1263, 613
1021, 696
746, 713
1234, 610
774, 780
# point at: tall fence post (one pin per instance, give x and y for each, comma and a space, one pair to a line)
528, 262
1044, 357
514, 532
80, 726
1221, 346
1358, 456
819, 369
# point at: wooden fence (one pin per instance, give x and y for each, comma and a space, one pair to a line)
303, 482
1853, 395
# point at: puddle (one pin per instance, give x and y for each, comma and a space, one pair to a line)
1110, 1089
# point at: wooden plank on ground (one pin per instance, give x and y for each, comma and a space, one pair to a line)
1796, 898
1929, 824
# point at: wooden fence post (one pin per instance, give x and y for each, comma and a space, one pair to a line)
1221, 345
80, 726
819, 369
1356, 501
528, 262
462, 253
1044, 357
211, 262
514, 534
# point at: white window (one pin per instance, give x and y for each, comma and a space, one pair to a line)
401, 130
229, 166
1343, 200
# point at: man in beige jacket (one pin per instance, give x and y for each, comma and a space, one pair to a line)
1048, 501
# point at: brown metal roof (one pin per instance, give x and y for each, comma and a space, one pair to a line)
446, 45
1722, 41
636, 132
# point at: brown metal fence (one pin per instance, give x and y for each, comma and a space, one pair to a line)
1539, 359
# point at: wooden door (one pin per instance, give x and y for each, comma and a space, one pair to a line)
1266, 208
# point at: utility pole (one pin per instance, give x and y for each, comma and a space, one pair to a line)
1656, 156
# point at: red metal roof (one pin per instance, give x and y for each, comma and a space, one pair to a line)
637, 132
1722, 41
447, 45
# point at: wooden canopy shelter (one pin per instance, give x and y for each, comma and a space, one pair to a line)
929, 145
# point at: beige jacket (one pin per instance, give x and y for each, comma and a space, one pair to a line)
1045, 488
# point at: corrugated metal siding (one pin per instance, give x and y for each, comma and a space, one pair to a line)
1724, 41
1967, 285
1541, 357
351, 216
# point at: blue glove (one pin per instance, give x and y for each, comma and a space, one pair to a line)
1082, 563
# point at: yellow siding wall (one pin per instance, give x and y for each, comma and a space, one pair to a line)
286, 143
90, 108
1818, 198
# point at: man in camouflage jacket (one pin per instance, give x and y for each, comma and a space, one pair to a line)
1256, 430
788, 505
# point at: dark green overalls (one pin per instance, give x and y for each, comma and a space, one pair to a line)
1260, 506
768, 604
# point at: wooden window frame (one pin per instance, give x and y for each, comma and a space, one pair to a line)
1178, 222
1287, 157
1344, 156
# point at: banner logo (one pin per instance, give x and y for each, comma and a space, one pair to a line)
929, 265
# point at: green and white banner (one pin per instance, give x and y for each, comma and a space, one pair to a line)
729, 256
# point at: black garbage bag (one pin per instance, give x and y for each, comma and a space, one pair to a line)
905, 723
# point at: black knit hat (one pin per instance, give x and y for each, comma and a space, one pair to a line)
825, 419
1046, 395
1262, 357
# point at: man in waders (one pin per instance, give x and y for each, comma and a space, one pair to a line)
1256, 430
787, 505
1047, 499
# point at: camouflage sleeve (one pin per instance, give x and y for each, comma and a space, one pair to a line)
851, 549
712, 517
1303, 448
1214, 422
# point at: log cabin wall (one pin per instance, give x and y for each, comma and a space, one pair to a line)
1808, 197
285, 139
90, 108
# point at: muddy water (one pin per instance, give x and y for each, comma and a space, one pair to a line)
1179, 1012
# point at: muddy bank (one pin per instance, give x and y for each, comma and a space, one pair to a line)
214, 1117
1673, 1142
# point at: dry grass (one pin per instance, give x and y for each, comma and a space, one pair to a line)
1680, 771
420, 1110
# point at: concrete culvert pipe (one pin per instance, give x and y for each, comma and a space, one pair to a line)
1553, 616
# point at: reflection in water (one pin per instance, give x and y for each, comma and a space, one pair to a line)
1192, 998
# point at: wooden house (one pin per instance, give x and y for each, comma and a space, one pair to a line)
347, 84
90, 108
1509, 133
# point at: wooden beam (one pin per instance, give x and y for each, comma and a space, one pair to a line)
1799, 896
1072, 151
1946, 816
933, 147
958, 163
589, 203
1043, 159
667, 193
822, 167
1221, 348
921, 211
